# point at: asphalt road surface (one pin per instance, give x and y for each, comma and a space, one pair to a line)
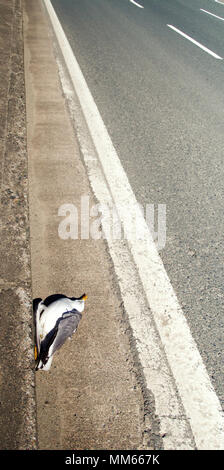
161, 97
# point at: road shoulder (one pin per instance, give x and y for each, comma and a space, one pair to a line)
91, 398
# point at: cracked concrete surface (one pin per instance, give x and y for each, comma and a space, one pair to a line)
92, 398
17, 403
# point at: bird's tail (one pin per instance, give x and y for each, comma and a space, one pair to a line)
46, 366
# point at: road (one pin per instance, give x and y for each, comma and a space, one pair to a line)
161, 98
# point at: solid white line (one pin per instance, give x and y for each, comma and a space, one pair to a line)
199, 399
195, 42
212, 14
174, 426
137, 4
221, 3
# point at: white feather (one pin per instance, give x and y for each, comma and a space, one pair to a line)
46, 319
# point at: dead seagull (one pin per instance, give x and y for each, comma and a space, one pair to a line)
55, 319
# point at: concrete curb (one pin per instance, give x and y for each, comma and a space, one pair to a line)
17, 391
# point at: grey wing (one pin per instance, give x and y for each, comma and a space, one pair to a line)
67, 325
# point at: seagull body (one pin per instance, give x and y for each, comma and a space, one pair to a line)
56, 318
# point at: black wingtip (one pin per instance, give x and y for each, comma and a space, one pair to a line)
36, 303
53, 298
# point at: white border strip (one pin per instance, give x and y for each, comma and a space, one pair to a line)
201, 404
213, 54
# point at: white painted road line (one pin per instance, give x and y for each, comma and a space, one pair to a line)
174, 426
136, 4
200, 402
213, 54
212, 14
220, 3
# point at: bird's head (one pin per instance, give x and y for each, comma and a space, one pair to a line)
80, 302
84, 297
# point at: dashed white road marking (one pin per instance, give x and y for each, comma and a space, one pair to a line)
220, 3
136, 4
200, 402
213, 54
212, 14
